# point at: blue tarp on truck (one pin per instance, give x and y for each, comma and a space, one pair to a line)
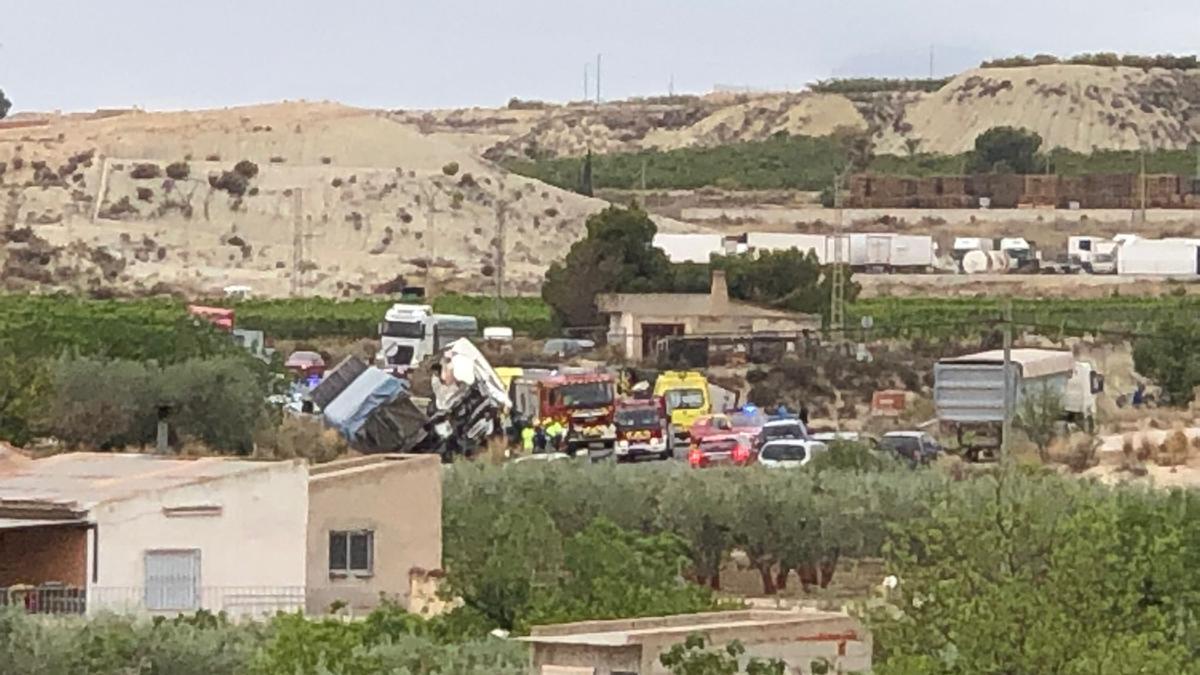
354, 405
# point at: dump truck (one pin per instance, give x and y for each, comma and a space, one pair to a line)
969, 390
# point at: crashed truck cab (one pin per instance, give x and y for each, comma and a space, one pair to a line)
377, 413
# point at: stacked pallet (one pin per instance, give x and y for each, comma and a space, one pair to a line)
1006, 191
1003, 190
1162, 192
1110, 191
1040, 191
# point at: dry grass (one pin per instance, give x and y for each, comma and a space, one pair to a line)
1174, 450
1077, 451
299, 438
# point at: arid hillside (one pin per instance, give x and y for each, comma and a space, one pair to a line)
1075, 107
1079, 108
317, 198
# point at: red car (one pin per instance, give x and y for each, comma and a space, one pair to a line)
748, 421
731, 449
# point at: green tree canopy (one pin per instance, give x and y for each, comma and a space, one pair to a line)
5, 105
1005, 150
1171, 358
617, 255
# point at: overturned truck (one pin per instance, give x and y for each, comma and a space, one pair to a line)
376, 412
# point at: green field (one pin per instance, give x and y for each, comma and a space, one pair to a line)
794, 162
964, 317
806, 163
160, 329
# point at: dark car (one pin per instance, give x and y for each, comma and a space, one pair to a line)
917, 447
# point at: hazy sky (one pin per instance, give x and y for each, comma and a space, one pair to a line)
82, 54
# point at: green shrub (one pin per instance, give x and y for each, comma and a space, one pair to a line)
246, 169
178, 170
145, 171
871, 85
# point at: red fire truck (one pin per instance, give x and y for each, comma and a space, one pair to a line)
582, 402
642, 429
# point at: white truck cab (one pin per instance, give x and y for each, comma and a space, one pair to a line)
410, 333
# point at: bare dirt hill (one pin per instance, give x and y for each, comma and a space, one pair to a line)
1080, 108
1071, 106
326, 198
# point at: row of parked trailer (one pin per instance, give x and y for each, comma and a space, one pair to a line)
1124, 254
865, 251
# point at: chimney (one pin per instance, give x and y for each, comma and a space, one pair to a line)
718, 297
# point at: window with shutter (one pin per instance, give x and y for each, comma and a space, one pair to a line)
172, 580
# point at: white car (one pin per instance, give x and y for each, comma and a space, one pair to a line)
837, 436
1101, 263
788, 453
542, 457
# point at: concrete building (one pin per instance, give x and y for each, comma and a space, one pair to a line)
88, 531
633, 646
637, 321
374, 528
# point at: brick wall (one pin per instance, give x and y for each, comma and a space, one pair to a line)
43, 554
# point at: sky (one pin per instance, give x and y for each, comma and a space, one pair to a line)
166, 54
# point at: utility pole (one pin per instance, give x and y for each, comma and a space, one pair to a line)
597, 79
837, 298
501, 207
1006, 427
671, 86
931, 62
297, 241
430, 243
1142, 184
586, 95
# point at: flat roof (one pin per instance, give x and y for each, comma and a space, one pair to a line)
623, 632
367, 463
86, 479
1033, 362
686, 304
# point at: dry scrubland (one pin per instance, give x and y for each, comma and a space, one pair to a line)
1075, 107
138, 200
92, 201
